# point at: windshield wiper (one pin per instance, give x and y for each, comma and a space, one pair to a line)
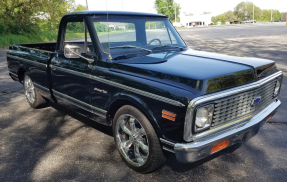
168, 46
130, 46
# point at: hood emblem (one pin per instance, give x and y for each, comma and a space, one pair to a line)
256, 100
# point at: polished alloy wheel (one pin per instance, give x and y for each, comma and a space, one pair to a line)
29, 89
132, 140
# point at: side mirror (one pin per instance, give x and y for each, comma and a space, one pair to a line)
71, 51
75, 52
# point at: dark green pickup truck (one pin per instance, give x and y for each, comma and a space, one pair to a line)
133, 72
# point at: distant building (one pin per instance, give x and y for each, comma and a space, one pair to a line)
283, 18
195, 20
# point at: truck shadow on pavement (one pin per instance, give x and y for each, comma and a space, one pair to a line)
55, 144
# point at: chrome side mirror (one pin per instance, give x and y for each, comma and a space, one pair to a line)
75, 52
71, 51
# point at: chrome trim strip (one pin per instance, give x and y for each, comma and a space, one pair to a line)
187, 135
14, 74
137, 91
26, 60
167, 149
41, 87
80, 104
167, 142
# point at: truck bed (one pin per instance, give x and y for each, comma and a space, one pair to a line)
49, 46
31, 58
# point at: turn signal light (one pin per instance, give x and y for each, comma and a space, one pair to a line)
219, 146
168, 115
269, 117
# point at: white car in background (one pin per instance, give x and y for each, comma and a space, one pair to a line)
248, 21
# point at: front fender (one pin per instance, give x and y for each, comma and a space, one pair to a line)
122, 98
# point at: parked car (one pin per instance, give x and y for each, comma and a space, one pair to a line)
248, 21
237, 22
158, 95
277, 20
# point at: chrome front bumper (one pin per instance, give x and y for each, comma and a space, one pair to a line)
194, 151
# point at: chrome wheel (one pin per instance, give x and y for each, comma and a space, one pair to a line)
132, 140
29, 89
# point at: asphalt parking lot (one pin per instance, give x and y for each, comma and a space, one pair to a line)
56, 145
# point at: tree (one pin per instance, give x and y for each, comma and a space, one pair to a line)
55, 9
239, 11
26, 16
229, 16
168, 8
19, 15
80, 8
219, 18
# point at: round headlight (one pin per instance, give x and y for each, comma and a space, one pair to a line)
201, 117
277, 88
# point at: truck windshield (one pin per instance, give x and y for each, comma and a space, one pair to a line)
121, 34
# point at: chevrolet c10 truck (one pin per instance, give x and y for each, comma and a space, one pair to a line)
133, 72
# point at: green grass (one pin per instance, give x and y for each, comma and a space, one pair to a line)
8, 39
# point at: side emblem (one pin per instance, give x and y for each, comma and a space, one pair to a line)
256, 100
100, 90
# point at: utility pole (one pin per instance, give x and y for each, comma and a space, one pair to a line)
271, 15
253, 13
174, 11
87, 4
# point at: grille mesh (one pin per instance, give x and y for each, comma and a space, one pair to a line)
238, 106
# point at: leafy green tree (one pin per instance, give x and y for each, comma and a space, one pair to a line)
229, 16
54, 10
19, 15
218, 18
266, 15
168, 7
29, 16
80, 8
239, 11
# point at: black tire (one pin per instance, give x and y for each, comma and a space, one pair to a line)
38, 100
155, 157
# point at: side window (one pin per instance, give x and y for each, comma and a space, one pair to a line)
157, 33
75, 35
115, 34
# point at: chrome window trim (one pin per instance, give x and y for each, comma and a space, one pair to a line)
188, 135
26, 60
134, 90
78, 103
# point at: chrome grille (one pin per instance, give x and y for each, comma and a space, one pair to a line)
239, 106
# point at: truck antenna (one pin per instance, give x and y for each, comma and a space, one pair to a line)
110, 57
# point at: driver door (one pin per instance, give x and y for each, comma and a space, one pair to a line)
71, 75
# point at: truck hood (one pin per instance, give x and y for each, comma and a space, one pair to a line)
197, 71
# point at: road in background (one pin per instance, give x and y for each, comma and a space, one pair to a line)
56, 145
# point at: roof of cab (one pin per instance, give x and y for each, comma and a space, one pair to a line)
129, 13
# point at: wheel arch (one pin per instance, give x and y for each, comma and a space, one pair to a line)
127, 99
21, 73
